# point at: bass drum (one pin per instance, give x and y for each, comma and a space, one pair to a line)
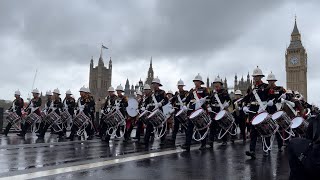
132, 108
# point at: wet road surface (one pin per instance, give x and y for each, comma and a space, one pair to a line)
96, 160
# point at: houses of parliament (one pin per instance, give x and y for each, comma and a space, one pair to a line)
296, 65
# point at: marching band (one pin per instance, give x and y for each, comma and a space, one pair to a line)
267, 110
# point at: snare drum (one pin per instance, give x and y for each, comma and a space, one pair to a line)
157, 118
282, 119
113, 118
13, 118
265, 125
65, 116
299, 126
144, 116
182, 116
52, 117
32, 118
224, 119
200, 119
80, 120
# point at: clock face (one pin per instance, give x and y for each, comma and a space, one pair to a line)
294, 60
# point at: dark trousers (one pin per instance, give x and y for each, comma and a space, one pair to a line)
254, 137
240, 121
25, 128
90, 129
279, 139
45, 128
176, 127
8, 127
149, 130
139, 129
215, 130
189, 134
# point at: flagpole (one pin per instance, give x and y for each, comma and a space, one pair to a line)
101, 50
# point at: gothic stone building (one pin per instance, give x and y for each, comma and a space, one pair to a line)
100, 79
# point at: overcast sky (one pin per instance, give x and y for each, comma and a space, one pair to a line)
184, 37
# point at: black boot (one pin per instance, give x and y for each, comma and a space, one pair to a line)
186, 147
251, 154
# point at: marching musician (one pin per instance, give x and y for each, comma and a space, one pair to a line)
239, 115
33, 107
276, 93
45, 110
108, 105
90, 129
139, 98
56, 106
225, 99
84, 104
161, 99
69, 104
122, 104
180, 94
16, 107
253, 108
200, 92
146, 105
298, 107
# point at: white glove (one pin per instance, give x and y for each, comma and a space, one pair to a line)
209, 109
102, 111
158, 105
117, 104
246, 109
283, 96
226, 104
239, 108
117, 107
184, 108
143, 109
108, 110
270, 103
260, 110
7, 111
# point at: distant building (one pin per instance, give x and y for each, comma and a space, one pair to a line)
242, 85
129, 91
100, 78
150, 75
296, 60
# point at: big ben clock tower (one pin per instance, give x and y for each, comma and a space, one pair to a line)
297, 64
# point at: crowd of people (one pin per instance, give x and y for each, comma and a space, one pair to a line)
206, 115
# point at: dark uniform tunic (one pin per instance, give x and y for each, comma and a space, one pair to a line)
250, 100
18, 105
88, 104
108, 105
201, 92
175, 102
160, 96
57, 108
274, 94
214, 127
35, 103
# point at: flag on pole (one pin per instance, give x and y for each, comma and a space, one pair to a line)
104, 47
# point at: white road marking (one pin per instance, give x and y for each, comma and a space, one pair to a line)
70, 169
